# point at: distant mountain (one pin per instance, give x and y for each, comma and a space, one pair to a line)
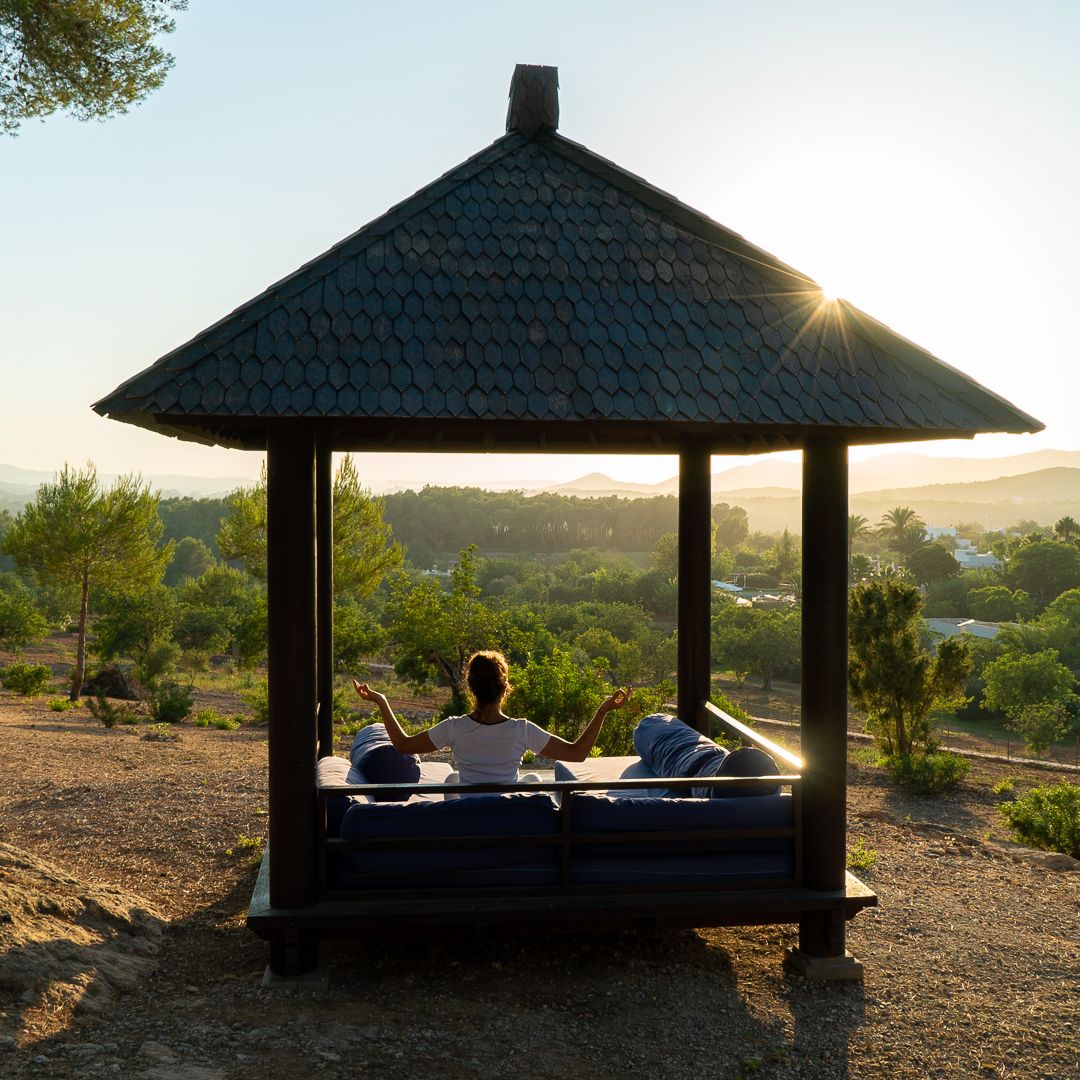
887, 472
18, 486
1024, 488
597, 484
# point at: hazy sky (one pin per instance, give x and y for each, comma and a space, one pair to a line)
919, 159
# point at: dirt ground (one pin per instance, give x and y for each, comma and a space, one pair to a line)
972, 959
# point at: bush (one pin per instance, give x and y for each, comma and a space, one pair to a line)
28, 679
258, 697
207, 718
928, 774
101, 708
860, 857
169, 703
1047, 817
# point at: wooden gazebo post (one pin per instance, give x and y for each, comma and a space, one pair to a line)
821, 949
324, 592
695, 587
291, 667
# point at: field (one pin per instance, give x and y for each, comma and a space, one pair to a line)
972, 960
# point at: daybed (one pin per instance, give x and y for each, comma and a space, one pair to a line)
397, 854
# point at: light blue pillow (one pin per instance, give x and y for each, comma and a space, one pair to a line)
671, 748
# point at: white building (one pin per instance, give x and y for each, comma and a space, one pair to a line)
974, 627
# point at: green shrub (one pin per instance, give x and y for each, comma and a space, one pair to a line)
928, 774
62, 704
162, 733
169, 703
1005, 787
258, 697
1047, 817
225, 723
28, 679
111, 713
860, 857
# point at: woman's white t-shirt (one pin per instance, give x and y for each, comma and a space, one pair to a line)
488, 753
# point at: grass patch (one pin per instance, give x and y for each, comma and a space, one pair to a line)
861, 858
162, 733
250, 848
62, 704
211, 718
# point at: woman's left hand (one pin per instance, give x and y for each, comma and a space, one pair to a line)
617, 700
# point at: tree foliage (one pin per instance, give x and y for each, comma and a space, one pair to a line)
364, 549
436, 629
191, 558
20, 620
1036, 693
902, 529
932, 562
891, 675
139, 625
223, 612
1044, 569
80, 537
92, 58
752, 641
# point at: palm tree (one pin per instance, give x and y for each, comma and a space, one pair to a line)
903, 529
857, 526
1067, 529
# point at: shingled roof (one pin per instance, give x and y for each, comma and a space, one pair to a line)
539, 297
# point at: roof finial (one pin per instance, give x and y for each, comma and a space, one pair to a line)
534, 99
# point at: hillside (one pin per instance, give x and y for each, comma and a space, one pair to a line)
1042, 495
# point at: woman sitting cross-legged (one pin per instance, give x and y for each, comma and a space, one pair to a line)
487, 744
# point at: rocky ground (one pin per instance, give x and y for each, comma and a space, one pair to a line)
126, 866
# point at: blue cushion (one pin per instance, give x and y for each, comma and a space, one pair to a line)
610, 815
333, 771
510, 815
671, 748
746, 761
373, 754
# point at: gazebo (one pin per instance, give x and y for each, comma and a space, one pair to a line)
538, 298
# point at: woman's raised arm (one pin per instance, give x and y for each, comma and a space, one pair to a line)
558, 749
403, 744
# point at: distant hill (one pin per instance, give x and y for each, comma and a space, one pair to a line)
1042, 494
18, 486
879, 474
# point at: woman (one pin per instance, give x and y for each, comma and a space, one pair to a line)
487, 744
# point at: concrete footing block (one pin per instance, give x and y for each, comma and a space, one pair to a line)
316, 979
824, 968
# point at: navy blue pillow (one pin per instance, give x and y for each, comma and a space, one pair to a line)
671, 748
746, 761
374, 755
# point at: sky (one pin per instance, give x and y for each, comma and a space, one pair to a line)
919, 159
